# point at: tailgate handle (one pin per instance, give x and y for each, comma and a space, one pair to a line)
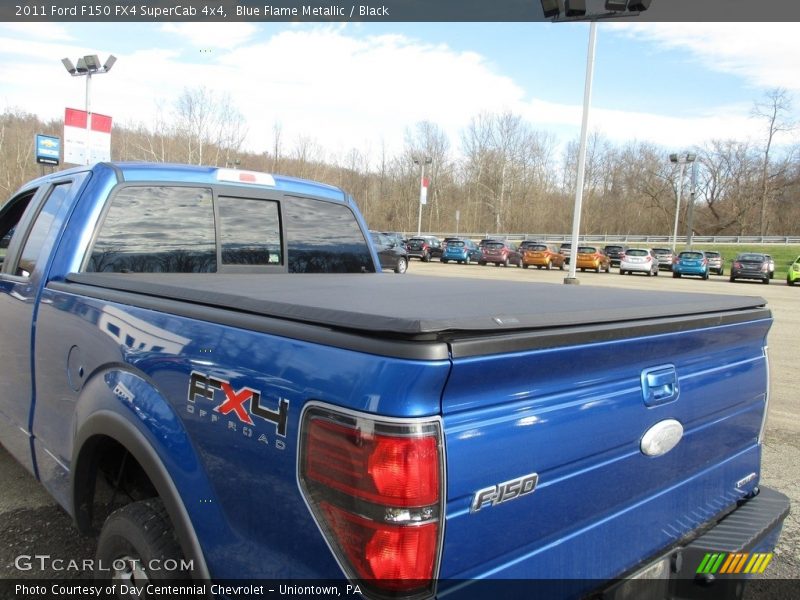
660, 385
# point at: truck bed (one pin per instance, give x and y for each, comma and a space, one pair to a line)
423, 308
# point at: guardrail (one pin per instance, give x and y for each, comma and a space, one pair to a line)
627, 239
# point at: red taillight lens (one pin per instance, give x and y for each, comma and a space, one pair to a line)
737, 264
375, 489
400, 557
393, 470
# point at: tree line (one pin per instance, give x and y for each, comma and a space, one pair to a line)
502, 175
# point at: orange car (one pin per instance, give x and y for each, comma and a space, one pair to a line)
591, 257
540, 255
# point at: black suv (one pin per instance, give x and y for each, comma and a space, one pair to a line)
615, 253
424, 247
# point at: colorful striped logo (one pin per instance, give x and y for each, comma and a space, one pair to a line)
743, 562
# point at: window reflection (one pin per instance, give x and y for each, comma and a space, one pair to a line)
140, 232
249, 231
41, 228
324, 237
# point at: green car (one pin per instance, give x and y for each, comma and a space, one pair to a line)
794, 272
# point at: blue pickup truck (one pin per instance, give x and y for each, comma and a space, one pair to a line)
206, 368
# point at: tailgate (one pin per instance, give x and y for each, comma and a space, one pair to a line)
572, 407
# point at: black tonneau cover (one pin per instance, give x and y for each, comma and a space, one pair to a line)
418, 306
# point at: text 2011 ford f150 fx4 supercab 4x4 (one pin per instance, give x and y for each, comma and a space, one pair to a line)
214, 354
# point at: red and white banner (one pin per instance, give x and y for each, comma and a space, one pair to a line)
423, 191
86, 145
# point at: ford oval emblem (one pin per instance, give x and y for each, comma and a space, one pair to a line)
661, 438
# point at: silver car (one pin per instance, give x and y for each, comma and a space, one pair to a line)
716, 264
664, 256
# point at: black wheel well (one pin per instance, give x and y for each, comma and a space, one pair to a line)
107, 476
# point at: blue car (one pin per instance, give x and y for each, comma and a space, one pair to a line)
690, 263
461, 251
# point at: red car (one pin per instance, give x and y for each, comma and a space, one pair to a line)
500, 252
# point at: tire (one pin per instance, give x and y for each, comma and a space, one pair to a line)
789, 281
466, 260
766, 281
649, 273
772, 275
705, 275
525, 266
621, 272
656, 273
676, 275
135, 535
547, 265
426, 257
481, 263
444, 260
732, 278
401, 266
561, 267
506, 262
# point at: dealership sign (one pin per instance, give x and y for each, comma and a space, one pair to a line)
87, 137
48, 149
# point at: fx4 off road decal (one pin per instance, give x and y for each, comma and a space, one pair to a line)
244, 404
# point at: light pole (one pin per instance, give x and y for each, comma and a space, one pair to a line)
681, 159
87, 66
575, 10
422, 190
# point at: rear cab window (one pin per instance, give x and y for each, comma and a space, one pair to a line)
201, 229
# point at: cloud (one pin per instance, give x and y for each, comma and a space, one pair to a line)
674, 132
764, 54
211, 35
45, 31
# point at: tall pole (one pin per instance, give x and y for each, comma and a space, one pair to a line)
587, 99
690, 209
88, 117
677, 208
422, 162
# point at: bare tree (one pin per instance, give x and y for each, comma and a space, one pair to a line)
774, 110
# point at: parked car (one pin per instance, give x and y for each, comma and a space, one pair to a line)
716, 264
615, 253
664, 256
639, 260
424, 248
751, 265
565, 250
392, 256
690, 262
592, 257
461, 251
793, 274
770, 266
541, 255
500, 252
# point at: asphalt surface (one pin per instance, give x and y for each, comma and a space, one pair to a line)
32, 524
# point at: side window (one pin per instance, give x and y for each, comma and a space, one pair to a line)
324, 237
41, 229
250, 231
10, 215
157, 229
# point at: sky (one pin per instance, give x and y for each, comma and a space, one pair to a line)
365, 85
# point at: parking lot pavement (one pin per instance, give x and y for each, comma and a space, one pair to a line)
31, 523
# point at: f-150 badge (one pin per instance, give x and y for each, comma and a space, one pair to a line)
503, 492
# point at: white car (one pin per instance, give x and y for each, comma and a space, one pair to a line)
638, 260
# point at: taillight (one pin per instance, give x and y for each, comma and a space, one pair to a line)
674, 260
376, 490
737, 264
